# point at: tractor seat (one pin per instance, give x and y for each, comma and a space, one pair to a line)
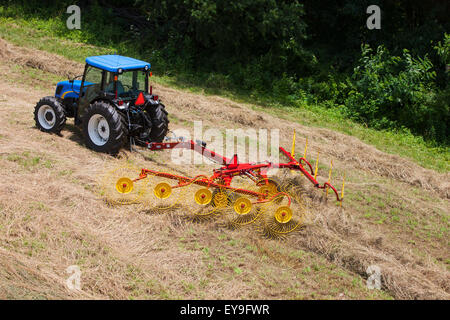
110, 87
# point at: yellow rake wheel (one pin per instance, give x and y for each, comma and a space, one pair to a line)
162, 190
220, 199
283, 214
242, 205
271, 188
117, 189
124, 185
163, 195
241, 209
204, 205
203, 196
279, 225
239, 220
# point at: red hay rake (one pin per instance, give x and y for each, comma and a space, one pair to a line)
215, 194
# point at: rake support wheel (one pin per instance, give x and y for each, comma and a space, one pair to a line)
203, 196
162, 190
124, 185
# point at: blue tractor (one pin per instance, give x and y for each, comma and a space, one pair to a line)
112, 103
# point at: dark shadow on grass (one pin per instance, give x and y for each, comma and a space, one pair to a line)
77, 135
36, 128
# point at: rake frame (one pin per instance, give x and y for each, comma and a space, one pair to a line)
232, 168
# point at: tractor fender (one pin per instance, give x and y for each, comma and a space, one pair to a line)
81, 111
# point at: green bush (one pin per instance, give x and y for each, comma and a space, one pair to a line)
443, 49
327, 87
396, 92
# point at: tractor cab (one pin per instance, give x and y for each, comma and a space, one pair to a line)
116, 78
123, 77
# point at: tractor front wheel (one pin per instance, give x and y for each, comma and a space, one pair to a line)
49, 115
104, 128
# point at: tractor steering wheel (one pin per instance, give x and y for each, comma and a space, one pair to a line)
75, 77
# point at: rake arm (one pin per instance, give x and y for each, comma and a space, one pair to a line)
231, 168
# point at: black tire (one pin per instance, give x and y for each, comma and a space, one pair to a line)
49, 115
160, 123
117, 129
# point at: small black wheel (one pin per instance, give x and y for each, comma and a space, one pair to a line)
104, 128
49, 115
160, 123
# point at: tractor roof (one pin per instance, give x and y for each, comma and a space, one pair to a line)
115, 62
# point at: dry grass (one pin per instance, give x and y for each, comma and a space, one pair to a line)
53, 215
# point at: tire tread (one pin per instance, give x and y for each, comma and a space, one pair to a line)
60, 114
118, 127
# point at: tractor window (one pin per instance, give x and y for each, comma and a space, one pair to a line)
93, 75
132, 83
110, 82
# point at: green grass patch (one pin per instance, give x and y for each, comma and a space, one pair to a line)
37, 205
32, 76
384, 208
29, 160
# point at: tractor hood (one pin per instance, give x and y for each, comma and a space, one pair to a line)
67, 89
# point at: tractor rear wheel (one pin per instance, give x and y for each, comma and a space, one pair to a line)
104, 128
49, 115
160, 123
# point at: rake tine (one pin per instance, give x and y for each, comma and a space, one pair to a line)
306, 148
329, 175
293, 146
293, 149
342, 191
317, 165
